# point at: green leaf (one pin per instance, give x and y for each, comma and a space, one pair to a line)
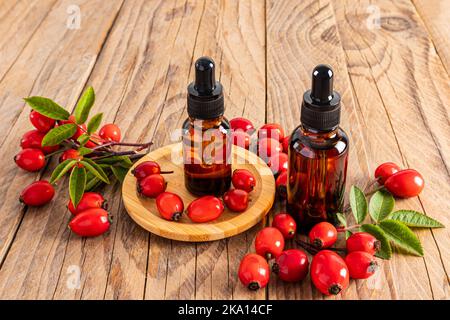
95, 169
115, 160
92, 183
84, 106
48, 108
341, 219
381, 205
94, 123
61, 170
358, 203
385, 251
83, 139
416, 219
119, 173
59, 134
402, 236
84, 151
77, 184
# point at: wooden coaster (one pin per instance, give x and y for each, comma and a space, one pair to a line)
144, 212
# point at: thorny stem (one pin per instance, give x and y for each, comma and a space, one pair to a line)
112, 154
140, 146
341, 229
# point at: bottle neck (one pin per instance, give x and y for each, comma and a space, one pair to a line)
319, 134
206, 123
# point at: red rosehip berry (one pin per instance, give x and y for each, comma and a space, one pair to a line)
291, 266
269, 243
110, 132
385, 170
95, 141
151, 186
33, 139
241, 139
70, 154
236, 200
147, 168
242, 124
30, 159
42, 123
405, 183
363, 241
37, 194
204, 209
281, 184
323, 235
271, 130
90, 223
329, 273
361, 265
90, 200
81, 129
170, 206
268, 147
243, 179
254, 271
285, 144
286, 224
278, 162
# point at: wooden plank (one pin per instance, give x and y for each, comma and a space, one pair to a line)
402, 92
32, 267
435, 15
18, 22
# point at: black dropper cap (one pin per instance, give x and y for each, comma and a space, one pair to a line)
205, 94
321, 107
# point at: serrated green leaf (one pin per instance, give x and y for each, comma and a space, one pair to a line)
84, 151
84, 106
94, 123
358, 203
58, 134
415, 219
77, 184
48, 108
381, 205
92, 183
61, 170
95, 169
385, 251
83, 139
119, 173
402, 236
341, 219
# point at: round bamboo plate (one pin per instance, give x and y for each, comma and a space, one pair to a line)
144, 212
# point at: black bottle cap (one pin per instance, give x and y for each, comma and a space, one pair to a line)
205, 94
321, 107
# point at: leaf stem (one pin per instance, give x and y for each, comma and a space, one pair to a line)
128, 144
341, 229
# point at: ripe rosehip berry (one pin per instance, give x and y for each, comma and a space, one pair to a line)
363, 241
110, 132
151, 186
286, 224
242, 124
70, 154
329, 273
281, 184
90, 200
323, 235
285, 144
269, 243
94, 141
90, 223
204, 209
170, 206
243, 179
267, 147
361, 265
33, 139
42, 123
385, 170
147, 168
81, 129
37, 194
405, 183
271, 130
291, 266
254, 271
236, 200
278, 162
241, 139
30, 159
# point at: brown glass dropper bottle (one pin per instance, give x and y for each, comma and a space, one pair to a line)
206, 138
318, 155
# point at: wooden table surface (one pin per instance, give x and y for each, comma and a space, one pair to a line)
392, 72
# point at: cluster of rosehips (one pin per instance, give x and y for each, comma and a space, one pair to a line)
91, 218
270, 144
330, 273
151, 184
405, 183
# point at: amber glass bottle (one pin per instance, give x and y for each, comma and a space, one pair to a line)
318, 155
206, 134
